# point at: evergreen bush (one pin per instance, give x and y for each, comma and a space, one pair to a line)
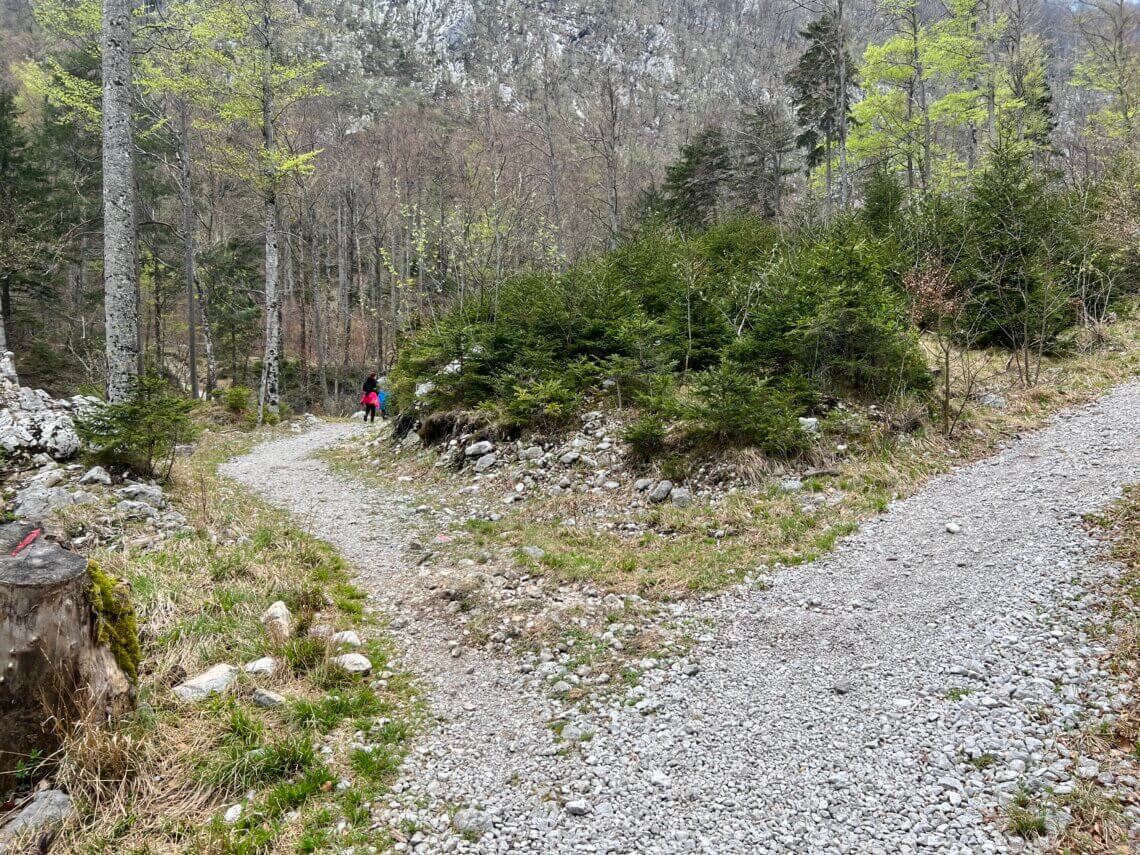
142, 432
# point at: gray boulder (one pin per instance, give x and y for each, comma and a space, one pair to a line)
266, 699
38, 431
478, 449
96, 475
148, 493
136, 510
487, 461
37, 502
660, 492
471, 821
40, 817
681, 497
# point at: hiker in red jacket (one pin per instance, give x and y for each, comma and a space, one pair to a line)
370, 397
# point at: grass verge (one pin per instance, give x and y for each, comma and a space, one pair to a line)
305, 773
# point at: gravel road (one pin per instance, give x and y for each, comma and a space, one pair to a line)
885, 699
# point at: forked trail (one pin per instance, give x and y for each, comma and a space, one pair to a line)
880, 700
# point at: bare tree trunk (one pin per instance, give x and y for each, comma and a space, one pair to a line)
207, 340
269, 397
120, 231
318, 323
188, 249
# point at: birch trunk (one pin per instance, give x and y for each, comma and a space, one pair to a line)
207, 340
269, 397
120, 232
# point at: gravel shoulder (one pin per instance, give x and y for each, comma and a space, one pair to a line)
889, 698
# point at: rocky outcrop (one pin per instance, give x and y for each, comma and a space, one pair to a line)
32, 422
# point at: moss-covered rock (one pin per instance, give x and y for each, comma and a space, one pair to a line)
117, 625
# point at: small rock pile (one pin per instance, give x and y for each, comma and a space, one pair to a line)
50, 487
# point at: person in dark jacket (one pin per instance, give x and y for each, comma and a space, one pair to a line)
370, 397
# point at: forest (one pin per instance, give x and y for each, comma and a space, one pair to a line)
303, 192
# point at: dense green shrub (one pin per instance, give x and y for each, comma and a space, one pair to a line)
238, 399
646, 437
835, 313
825, 309
732, 407
143, 431
545, 403
1017, 235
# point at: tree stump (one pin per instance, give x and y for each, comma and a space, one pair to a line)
56, 667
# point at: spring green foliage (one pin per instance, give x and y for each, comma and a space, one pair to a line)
143, 431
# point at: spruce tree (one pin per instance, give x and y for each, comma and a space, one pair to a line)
695, 184
823, 89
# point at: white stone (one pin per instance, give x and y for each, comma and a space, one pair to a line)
210, 682
278, 622
346, 638
264, 665
353, 663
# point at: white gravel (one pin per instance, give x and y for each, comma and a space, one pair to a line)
835, 712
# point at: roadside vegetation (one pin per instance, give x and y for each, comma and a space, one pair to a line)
1099, 824
305, 773
742, 532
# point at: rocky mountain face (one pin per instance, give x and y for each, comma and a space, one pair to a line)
666, 53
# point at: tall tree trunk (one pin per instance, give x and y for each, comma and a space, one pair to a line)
378, 293
318, 324
188, 249
844, 190
120, 231
269, 397
159, 350
303, 306
207, 340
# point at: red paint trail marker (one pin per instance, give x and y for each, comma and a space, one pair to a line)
27, 541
